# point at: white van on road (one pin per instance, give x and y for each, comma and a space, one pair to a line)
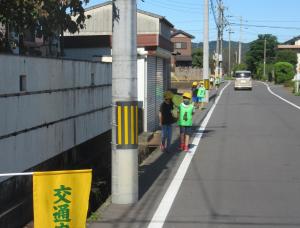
243, 80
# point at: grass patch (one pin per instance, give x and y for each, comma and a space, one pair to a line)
297, 94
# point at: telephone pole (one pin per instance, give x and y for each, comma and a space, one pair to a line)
124, 103
206, 45
219, 46
221, 37
240, 42
229, 47
206, 41
265, 53
217, 54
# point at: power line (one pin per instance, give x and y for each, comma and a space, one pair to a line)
213, 11
276, 21
266, 26
176, 7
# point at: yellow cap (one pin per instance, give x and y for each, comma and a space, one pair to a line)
201, 82
168, 94
195, 83
187, 95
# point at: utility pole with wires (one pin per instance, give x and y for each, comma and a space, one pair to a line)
229, 50
124, 103
219, 47
222, 25
265, 54
206, 48
240, 42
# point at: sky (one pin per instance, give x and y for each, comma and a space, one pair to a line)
258, 17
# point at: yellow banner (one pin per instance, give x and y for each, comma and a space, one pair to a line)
61, 198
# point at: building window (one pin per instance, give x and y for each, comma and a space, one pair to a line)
180, 45
22, 83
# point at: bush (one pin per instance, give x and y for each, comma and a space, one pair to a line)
283, 72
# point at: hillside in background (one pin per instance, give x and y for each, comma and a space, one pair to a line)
234, 46
233, 54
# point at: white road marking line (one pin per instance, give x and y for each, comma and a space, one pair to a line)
296, 106
164, 207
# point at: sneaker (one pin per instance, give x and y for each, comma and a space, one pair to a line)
162, 147
181, 146
186, 148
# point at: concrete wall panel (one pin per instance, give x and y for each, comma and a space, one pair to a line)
59, 109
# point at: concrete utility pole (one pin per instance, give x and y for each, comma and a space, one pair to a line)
221, 37
219, 46
265, 53
229, 47
206, 46
240, 43
217, 55
124, 103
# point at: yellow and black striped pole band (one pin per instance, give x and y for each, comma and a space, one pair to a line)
127, 124
206, 84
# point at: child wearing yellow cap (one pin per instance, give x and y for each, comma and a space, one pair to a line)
185, 121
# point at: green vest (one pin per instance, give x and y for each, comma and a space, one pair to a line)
185, 115
201, 92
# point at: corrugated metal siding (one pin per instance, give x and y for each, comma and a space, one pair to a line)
166, 74
151, 98
159, 87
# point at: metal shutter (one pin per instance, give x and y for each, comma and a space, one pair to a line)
159, 87
151, 98
167, 80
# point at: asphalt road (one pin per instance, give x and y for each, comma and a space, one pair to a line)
244, 173
246, 170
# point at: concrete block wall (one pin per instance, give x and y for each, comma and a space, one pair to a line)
63, 104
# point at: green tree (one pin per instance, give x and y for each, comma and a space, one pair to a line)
286, 56
283, 72
260, 71
49, 18
241, 66
197, 56
17, 16
255, 55
60, 16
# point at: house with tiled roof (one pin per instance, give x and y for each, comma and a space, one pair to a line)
292, 44
182, 42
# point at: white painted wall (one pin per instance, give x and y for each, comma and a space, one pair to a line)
141, 79
74, 95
